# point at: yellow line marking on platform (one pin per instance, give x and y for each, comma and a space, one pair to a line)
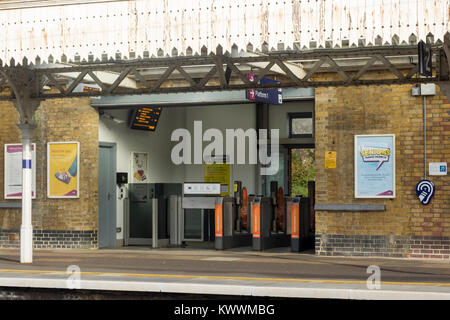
146, 275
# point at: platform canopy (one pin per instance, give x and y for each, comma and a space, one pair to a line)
159, 46
84, 28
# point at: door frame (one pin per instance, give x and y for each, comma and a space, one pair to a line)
113, 147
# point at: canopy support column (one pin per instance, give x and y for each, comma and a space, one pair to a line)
24, 84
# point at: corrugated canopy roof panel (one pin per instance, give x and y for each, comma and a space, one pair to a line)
173, 27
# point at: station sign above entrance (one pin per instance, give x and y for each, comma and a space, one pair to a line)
272, 96
145, 118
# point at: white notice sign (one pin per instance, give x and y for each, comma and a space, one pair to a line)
437, 168
13, 171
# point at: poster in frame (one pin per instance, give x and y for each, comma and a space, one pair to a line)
374, 166
139, 167
63, 169
13, 171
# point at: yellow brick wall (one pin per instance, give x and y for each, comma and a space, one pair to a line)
56, 120
341, 113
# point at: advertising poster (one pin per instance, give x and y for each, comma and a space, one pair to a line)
375, 166
13, 171
63, 169
139, 167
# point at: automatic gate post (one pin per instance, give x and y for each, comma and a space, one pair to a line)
155, 223
218, 223
256, 224
295, 225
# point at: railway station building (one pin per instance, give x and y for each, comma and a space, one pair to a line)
361, 92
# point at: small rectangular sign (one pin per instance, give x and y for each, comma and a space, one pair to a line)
272, 96
202, 188
437, 168
330, 160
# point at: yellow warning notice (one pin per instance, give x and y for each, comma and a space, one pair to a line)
330, 159
218, 173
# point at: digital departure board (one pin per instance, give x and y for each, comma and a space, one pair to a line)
145, 118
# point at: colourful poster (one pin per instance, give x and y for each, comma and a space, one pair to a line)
63, 169
139, 167
13, 171
375, 166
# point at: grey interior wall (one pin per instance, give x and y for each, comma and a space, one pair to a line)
157, 144
278, 114
222, 118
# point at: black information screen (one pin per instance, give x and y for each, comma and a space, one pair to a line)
145, 118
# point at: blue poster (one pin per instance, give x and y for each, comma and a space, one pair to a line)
375, 166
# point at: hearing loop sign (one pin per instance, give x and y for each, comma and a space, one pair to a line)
425, 191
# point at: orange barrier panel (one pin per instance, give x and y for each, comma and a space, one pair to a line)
295, 225
256, 216
219, 220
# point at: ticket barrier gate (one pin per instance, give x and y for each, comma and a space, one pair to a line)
232, 220
146, 213
301, 236
269, 220
263, 236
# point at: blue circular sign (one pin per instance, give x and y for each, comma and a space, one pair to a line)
425, 191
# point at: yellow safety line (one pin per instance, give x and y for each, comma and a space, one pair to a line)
87, 273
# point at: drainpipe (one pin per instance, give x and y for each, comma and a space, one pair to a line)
425, 135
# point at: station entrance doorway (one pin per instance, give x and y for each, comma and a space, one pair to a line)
302, 182
151, 202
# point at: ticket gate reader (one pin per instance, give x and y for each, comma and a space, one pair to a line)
263, 235
226, 235
301, 235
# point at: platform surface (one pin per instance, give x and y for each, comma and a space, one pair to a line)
238, 272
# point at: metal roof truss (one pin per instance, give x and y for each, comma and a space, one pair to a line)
207, 72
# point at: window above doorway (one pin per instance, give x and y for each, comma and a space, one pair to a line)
301, 125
